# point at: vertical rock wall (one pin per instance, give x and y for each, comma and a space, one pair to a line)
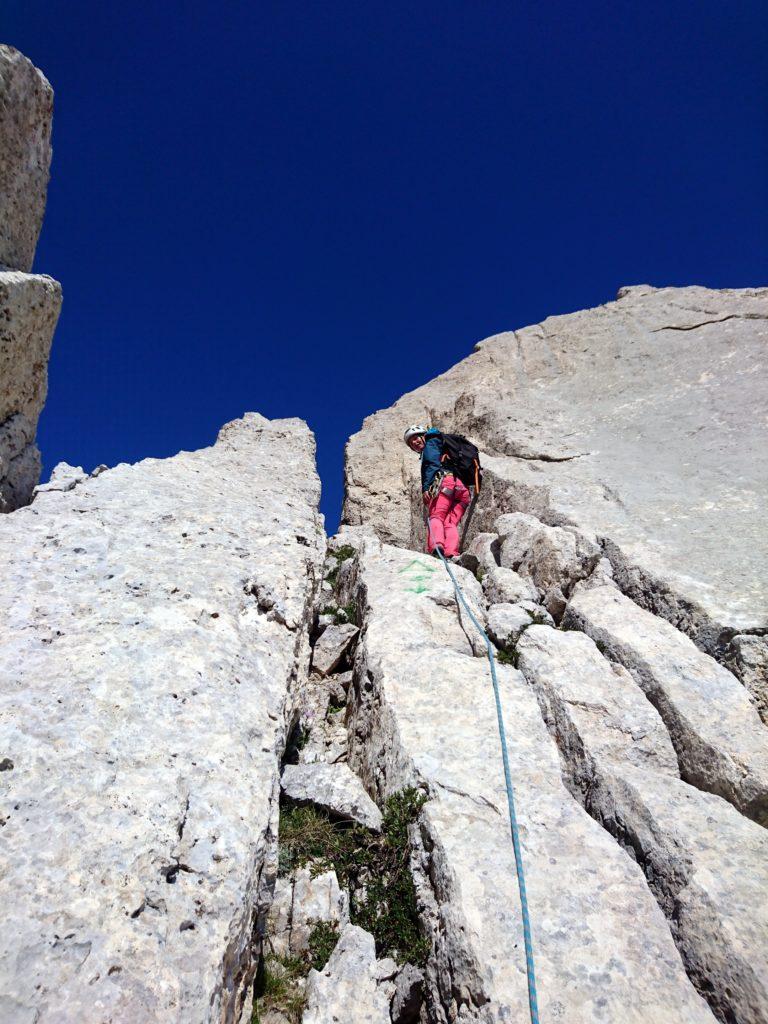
154, 629
29, 303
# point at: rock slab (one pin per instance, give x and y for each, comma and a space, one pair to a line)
29, 309
422, 714
706, 864
26, 112
721, 744
152, 637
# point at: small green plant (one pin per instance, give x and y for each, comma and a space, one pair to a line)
373, 866
480, 573
507, 657
341, 555
346, 613
322, 942
278, 987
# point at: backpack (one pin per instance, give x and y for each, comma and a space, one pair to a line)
463, 458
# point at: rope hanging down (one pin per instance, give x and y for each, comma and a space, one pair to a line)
529, 966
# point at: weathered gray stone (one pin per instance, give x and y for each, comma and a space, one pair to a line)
63, 478
559, 558
706, 863
721, 744
750, 663
29, 309
517, 531
505, 586
595, 419
301, 901
482, 549
331, 647
26, 110
407, 1000
144, 704
555, 602
346, 991
506, 623
603, 948
335, 788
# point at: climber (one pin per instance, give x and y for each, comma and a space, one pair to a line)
445, 458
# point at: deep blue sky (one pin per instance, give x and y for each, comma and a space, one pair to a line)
310, 208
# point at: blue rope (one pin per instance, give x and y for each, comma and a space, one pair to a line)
529, 966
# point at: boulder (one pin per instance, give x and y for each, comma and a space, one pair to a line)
145, 712
505, 586
506, 623
347, 990
602, 945
331, 647
481, 549
29, 309
335, 788
558, 558
26, 111
706, 864
720, 742
517, 532
594, 420
63, 478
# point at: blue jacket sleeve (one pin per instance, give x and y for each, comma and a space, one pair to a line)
430, 459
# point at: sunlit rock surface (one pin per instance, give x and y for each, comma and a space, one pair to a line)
153, 634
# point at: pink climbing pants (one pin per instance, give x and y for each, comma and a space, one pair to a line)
444, 512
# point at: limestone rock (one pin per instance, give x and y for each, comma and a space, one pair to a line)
26, 110
559, 558
517, 532
555, 602
750, 662
331, 647
721, 744
506, 624
346, 991
335, 788
301, 901
407, 1000
480, 553
29, 309
423, 714
505, 586
63, 478
594, 420
707, 865
145, 705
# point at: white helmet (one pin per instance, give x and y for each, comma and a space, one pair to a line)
413, 431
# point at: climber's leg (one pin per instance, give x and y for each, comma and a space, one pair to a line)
437, 509
459, 504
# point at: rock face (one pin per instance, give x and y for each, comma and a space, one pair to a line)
422, 714
154, 629
642, 422
29, 304
721, 744
26, 110
706, 864
29, 309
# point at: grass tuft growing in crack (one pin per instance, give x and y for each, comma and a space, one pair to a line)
344, 552
279, 987
374, 867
